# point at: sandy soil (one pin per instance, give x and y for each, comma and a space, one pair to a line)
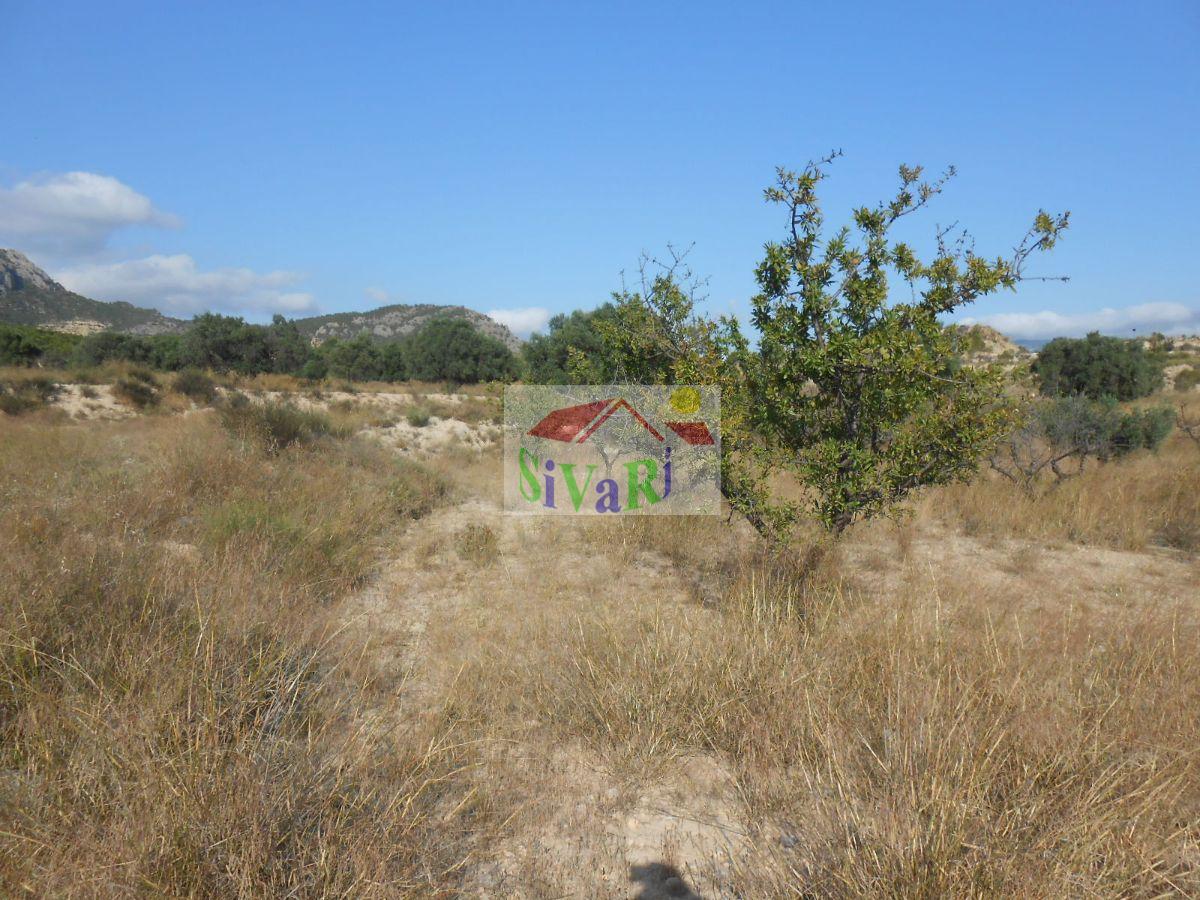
91, 401
97, 402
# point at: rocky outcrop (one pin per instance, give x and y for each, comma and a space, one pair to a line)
391, 322
28, 296
982, 345
17, 273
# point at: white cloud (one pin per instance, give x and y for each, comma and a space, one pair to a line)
379, 295
522, 321
177, 286
72, 213
1174, 318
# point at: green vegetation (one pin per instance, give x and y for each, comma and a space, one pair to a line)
445, 349
888, 413
573, 349
1057, 437
158, 351
228, 344
452, 350
1098, 366
857, 397
275, 426
1187, 379
26, 345
195, 385
22, 395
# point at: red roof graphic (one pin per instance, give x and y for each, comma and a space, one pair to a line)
575, 424
695, 433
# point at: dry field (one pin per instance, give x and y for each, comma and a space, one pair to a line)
238, 665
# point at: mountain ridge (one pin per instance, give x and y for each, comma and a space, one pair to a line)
396, 320
29, 296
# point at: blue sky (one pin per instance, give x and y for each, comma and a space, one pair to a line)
297, 157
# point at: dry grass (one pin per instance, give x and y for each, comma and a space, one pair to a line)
25, 394
1149, 499
925, 743
209, 686
110, 371
176, 719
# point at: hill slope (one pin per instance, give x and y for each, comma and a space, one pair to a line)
982, 345
28, 296
390, 322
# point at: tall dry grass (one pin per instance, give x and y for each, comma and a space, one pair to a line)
929, 742
183, 714
1146, 500
178, 715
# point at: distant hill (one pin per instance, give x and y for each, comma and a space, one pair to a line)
983, 345
390, 322
28, 296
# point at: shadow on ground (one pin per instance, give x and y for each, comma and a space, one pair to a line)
661, 882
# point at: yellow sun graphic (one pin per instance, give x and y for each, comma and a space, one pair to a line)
686, 401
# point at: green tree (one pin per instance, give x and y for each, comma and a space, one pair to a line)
109, 345
857, 393
656, 336
857, 390
393, 361
165, 350
451, 349
357, 359
1098, 366
286, 347
17, 348
572, 350
225, 343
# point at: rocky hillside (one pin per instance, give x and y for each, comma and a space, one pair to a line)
982, 345
28, 296
389, 322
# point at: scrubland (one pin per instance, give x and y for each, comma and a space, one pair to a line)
250, 654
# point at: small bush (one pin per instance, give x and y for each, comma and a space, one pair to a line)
476, 543
418, 418
135, 391
1059, 435
415, 497
1142, 429
1187, 379
195, 385
1101, 429
275, 426
26, 394
143, 375
87, 392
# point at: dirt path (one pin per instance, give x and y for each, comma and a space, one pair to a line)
469, 583
582, 829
